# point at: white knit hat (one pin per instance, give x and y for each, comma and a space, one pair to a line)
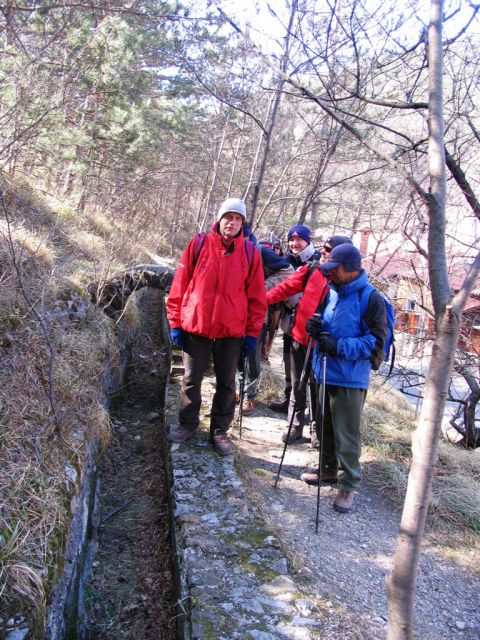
235, 205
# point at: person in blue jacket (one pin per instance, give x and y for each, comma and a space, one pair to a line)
348, 342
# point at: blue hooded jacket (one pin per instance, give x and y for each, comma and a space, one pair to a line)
271, 261
341, 317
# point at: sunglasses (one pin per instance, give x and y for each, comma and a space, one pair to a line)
326, 249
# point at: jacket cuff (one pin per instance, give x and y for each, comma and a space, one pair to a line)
340, 347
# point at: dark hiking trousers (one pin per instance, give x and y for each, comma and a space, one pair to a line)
298, 397
341, 434
196, 357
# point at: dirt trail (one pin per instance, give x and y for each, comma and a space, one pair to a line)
346, 563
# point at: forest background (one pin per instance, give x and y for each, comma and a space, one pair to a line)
124, 125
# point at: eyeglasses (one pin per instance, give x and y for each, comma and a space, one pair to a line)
326, 249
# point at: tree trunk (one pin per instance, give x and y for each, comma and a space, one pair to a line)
401, 584
470, 405
470, 417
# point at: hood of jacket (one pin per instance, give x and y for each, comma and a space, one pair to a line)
350, 287
297, 259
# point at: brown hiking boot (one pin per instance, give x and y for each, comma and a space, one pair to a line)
248, 406
180, 434
343, 501
311, 477
222, 443
295, 435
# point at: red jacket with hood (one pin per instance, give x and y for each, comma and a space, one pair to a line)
221, 296
315, 292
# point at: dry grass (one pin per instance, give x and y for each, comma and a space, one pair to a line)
38, 452
387, 433
29, 243
388, 427
101, 224
42, 447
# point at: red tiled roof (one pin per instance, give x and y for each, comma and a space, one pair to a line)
406, 265
410, 264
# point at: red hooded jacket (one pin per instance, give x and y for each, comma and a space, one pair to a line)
315, 292
221, 296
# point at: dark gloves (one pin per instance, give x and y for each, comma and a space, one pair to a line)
176, 336
314, 327
327, 344
248, 345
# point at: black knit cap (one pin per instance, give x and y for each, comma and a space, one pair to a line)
334, 241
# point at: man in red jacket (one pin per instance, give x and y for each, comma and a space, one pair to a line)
216, 307
314, 286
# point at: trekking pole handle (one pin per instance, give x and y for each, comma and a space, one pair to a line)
324, 333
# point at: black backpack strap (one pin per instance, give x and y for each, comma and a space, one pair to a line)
325, 299
249, 249
197, 246
311, 268
392, 358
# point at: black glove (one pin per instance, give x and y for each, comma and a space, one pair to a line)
314, 327
327, 344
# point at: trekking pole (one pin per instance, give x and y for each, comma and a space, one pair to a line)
320, 445
311, 403
242, 394
303, 377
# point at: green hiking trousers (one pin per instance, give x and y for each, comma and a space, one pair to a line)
341, 446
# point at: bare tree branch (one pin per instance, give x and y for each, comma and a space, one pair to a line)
224, 100
475, 131
307, 93
475, 8
460, 299
394, 104
461, 179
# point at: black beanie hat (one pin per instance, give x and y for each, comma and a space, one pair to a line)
334, 241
